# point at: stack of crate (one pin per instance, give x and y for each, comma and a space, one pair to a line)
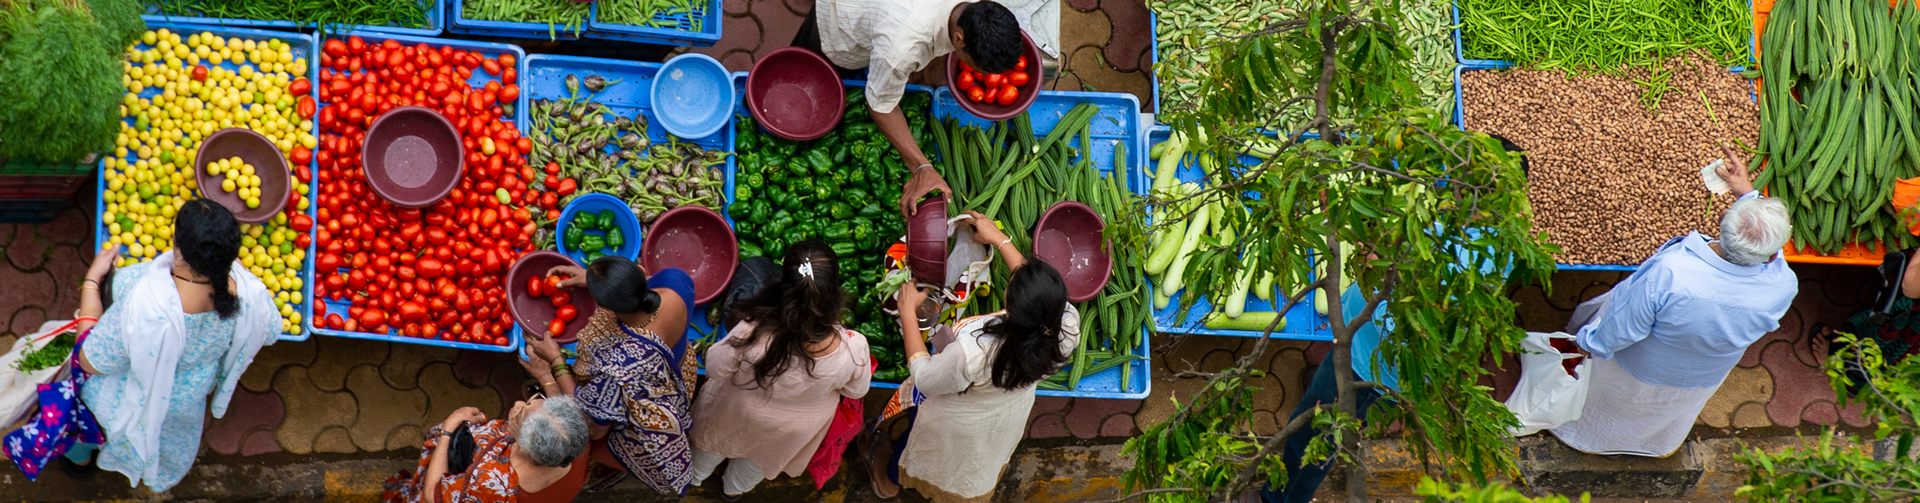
34, 191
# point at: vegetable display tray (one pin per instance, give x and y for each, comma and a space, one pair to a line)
1303, 322
305, 45
435, 10
490, 50
680, 31
1460, 54
457, 22
545, 78
1117, 123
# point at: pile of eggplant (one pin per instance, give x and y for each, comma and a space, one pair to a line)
612, 154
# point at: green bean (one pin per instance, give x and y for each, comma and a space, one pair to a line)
559, 15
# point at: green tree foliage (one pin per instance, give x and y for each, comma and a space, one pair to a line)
1833, 470
61, 73
1438, 222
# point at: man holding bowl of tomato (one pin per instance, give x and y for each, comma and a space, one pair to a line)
891, 39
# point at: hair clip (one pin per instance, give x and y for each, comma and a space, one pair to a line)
806, 269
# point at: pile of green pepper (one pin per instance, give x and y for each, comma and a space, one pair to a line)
594, 245
843, 189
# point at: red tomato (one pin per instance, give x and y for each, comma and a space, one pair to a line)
966, 81
509, 94
430, 268
412, 312
561, 298
556, 327
373, 318
567, 313
1008, 95
490, 66
336, 48
1018, 78
553, 284
334, 322
976, 95
994, 81
1022, 65
536, 288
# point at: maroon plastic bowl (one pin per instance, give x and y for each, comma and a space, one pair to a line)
996, 111
413, 156
927, 241
696, 240
533, 313
795, 93
253, 149
1068, 238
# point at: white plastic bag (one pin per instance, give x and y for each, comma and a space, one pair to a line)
19, 391
1546, 397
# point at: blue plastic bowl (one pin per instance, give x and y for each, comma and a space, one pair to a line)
629, 226
692, 96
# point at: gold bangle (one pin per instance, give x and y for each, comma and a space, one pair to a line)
546, 384
917, 355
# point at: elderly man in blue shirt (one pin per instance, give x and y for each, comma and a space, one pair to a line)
1665, 338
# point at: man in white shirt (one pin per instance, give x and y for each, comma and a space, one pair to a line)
894, 38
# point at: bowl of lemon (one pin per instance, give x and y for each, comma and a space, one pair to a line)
244, 172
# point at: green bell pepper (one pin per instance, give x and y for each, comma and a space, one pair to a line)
806, 229
857, 196
872, 210
869, 276
592, 243
759, 210
824, 192
607, 222
614, 238
847, 250
776, 175
755, 180
749, 249
839, 178
840, 154
742, 192
586, 220
797, 167
574, 235
802, 186
838, 232
820, 161
594, 256
839, 211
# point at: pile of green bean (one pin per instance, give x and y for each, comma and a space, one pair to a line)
666, 14
1603, 36
323, 13
1189, 27
559, 15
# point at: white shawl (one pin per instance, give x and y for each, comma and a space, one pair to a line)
155, 329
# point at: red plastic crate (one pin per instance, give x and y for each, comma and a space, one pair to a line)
41, 186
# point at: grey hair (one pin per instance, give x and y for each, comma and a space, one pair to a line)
1754, 230
555, 433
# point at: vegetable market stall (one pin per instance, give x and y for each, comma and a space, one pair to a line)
1068, 146
431, 275
407, 17
1305, 321
170, 107
842, 188
534, 19
639, 176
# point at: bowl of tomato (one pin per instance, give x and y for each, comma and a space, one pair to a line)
997, 96
539, 304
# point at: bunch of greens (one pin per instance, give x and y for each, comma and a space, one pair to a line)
1607, 37
841, 189
665, 14
121, 18
325, 14
559, 15
61, 93
53, 353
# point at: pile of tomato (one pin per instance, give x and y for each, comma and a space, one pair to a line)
1002, 88
434, 272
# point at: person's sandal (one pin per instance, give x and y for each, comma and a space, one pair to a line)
80, 471
877, 469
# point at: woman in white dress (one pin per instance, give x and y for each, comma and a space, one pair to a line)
980, 387
774, 383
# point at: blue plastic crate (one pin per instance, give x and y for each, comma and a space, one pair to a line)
1153, 73
1459, 46
545, 78
683, 32
1117, 123
30, 211
487, 49
304, 46
1303, 322
458, 23
435, 11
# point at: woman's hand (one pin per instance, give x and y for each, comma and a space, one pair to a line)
462, 415
542, 346
576, 276
984, 230
103, 263
536, 366
910, 299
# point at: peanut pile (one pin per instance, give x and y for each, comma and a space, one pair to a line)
1609, 180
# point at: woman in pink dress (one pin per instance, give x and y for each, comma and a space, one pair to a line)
774, 382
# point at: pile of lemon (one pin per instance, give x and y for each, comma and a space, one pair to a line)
237, 177
170, 108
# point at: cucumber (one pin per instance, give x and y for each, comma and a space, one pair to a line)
1251, 322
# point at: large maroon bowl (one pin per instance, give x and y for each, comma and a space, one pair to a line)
253, 149
795, 93
996, 111
533, 313
1068, 238
696, 240
927, 241
413, 156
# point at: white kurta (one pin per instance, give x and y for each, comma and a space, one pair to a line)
1626, 416
961, 441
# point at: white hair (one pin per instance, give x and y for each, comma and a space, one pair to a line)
1754, 230
555, 433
